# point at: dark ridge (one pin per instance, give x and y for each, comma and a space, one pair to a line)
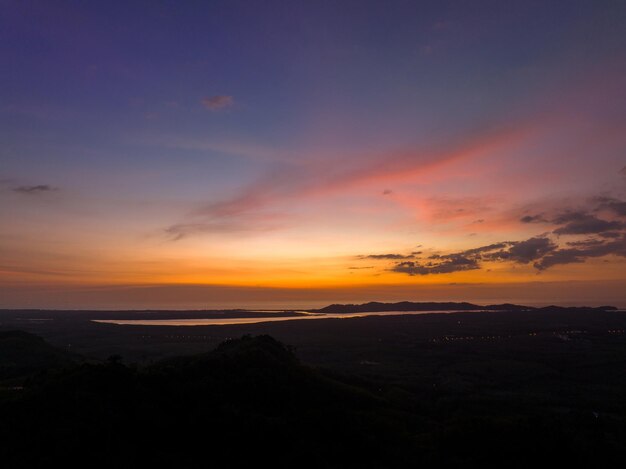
376, 307
578, 308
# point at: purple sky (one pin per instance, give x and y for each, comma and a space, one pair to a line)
203, 154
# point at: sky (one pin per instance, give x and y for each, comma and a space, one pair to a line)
278, 154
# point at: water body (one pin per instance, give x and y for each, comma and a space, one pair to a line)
230, 321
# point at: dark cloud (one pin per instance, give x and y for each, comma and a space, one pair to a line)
616, 206
610, 234
450, 264
576, 223
569, 216
474, 252
34, 189
387, 256
583, 251
488, 248
604, 237
533, 219
526, 251
542, 251
470, 259
215, 103
586, 242
561, 256
521, 252
387, 192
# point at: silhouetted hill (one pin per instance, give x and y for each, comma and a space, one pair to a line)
22, 354
245, 402
376, 307
579, 308
250, 402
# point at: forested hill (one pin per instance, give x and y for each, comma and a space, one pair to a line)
250, 402
245, 403
22, 354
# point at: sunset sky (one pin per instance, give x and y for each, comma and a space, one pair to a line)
297, 153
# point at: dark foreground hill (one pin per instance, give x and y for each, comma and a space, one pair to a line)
22, 354
249, 402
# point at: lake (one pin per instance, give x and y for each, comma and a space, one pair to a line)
304, 315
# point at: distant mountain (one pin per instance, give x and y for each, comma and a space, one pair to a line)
376, 307
577, 308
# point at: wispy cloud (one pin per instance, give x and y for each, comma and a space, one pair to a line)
217, 102
38, 189
387, 256
226, 225
318, 178
533, 219
246, 149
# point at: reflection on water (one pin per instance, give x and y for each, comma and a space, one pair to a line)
231, 321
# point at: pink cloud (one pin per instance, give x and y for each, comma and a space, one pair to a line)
397, 167
217, 102
318, 180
